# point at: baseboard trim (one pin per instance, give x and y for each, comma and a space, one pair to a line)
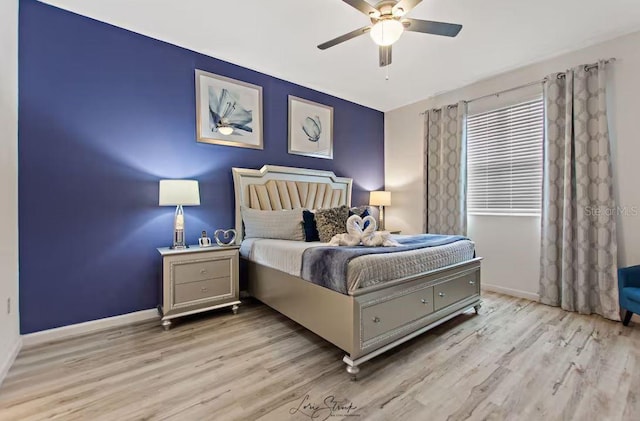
11, 357
66, 332
510, 291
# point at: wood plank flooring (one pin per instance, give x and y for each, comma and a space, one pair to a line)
517, 360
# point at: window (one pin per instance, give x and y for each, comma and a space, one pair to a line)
504, 160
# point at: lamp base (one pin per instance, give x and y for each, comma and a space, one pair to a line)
178, 230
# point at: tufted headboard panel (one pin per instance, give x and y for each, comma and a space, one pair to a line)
277, 188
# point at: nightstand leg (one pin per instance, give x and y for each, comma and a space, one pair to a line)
477, 308
166, 324
235, 309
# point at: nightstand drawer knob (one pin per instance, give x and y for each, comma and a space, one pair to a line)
203, 289
203, 271
441, 294
376, 320
472, 282
423, 301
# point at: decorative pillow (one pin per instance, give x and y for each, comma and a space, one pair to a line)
282, 224
331, 222
310, 226
362, 212
359, 210
371, 210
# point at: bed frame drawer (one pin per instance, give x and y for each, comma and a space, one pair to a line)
386, 315
452, 291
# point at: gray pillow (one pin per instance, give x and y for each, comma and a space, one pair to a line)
373, 211
281, 224
331, 222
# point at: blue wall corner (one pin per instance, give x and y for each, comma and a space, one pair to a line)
104, 113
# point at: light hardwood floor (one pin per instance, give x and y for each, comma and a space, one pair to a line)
517, 360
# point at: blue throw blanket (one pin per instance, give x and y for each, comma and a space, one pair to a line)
327, 266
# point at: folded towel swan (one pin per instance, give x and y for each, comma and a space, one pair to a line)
357, 234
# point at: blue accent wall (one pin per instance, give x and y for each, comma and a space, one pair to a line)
104, 113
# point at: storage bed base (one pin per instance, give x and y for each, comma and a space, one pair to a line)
353, 365
372, 320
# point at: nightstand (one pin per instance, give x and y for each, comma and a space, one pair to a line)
198, 279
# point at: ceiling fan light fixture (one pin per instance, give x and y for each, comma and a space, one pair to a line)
386, 32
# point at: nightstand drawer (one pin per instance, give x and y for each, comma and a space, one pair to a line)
200, 271
209, 288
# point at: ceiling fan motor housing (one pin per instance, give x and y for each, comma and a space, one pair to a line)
385, 8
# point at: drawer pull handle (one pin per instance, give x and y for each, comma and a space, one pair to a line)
441, 294
472, 282
203, 289
203, 271
376, 320
423, 301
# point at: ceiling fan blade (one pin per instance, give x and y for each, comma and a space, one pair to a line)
385, 56
364, 7
406, 6
431, 27
345, 37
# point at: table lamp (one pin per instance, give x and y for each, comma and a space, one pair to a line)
179, 193
381, 199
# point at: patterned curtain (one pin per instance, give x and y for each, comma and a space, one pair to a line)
579, 246
445, 170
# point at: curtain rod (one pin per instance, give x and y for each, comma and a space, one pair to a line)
526, 85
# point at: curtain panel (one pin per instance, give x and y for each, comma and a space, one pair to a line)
445, 170
579, 244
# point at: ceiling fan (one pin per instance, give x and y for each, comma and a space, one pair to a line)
388, 24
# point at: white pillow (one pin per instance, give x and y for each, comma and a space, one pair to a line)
281, 224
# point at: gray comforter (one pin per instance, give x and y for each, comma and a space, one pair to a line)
327, 266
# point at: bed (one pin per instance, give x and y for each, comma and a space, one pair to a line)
373, 313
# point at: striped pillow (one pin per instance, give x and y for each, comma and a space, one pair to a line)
280, 224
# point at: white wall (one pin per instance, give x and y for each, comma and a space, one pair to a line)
514, 265
9, 329
510, 246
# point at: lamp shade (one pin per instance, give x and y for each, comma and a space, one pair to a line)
380, 198
179, 192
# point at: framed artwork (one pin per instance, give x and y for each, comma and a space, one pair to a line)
310, 128
229, 112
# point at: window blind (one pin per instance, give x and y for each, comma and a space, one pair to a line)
504, 159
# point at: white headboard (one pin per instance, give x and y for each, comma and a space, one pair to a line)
275, 188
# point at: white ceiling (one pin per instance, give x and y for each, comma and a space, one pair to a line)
279, 37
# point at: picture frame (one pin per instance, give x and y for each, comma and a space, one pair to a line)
310, 128
230, 105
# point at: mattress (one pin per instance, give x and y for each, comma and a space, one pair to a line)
363, 271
